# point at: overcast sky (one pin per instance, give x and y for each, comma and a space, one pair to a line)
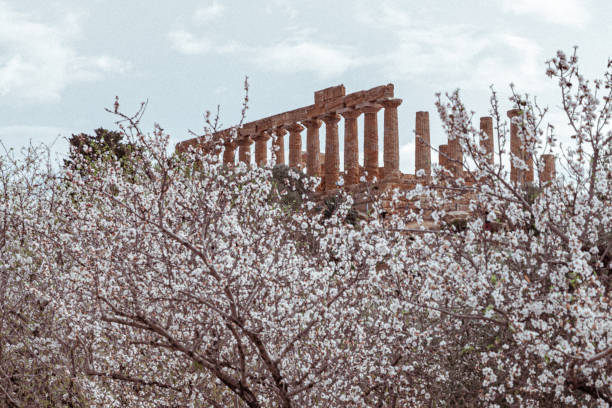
62, 62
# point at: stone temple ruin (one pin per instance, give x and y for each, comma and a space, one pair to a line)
332, 103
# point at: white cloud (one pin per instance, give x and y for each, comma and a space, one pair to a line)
521, 63
471, 56
565, 12
423, 50
37, 61
297, 51
209, 12
321, 59
286, 6
107, 63
387, 14
290, 56
465, 56
186, 43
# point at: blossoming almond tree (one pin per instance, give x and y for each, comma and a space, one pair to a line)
176, 281
529, 299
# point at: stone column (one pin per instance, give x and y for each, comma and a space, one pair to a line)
455, 154
391, 138
332, 151
261, 148
313, 147
244, 150
443, 156
295, 145
229, 154
548, 172
518, 149
422, 148
278, 147
486, 131
515, 147
351, 147
370, 140
529, 177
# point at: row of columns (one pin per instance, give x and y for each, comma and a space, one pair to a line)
331, 168
451, 154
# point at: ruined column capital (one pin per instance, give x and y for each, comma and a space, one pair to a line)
513, 112
391, 103
370, 108
263, 136
312, 123
294, 127
351, 114
245, 141
331, 119
280, 131
230, 144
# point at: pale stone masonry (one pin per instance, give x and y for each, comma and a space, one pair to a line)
548, 172
244, 150
422, 146
332, 151
516, 148
443, 156
295, 145
351, 147
229, 154
370, 140
391, 138
279, 145
261, 149
455, 155
329, 94
313, 147
486, 138
332, 104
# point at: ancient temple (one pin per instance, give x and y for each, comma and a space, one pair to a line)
329, 106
